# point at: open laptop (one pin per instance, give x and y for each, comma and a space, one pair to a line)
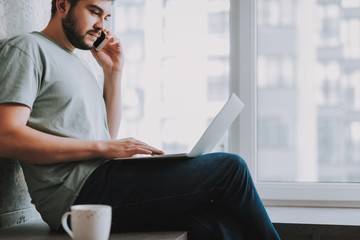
212, 134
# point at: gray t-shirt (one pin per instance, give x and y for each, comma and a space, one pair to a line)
65, 100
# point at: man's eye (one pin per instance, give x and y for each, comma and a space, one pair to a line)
95, 12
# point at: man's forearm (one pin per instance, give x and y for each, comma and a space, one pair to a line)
32, 146
112, 97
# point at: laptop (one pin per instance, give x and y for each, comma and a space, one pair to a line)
212, 134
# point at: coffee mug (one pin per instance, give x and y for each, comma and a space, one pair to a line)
88, 222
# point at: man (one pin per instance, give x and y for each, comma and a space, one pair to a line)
62, 128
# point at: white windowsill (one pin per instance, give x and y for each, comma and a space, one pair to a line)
315, 216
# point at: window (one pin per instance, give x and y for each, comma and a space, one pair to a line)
317, 108
299, 80
294, 63
177, 69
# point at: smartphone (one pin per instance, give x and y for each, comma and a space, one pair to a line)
100, 42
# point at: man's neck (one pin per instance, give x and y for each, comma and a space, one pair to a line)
55, 31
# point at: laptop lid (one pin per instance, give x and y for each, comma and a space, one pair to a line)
218, 126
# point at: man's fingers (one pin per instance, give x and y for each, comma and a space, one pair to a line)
140, 147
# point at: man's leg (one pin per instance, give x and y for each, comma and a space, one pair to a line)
146, 191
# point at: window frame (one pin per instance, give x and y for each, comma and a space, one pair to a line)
243, 134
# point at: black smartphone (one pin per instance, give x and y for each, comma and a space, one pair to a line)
100, 42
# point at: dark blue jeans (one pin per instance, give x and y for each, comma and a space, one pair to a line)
210, 197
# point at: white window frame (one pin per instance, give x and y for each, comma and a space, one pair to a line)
243, 60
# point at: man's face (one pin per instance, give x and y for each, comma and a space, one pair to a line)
84, 22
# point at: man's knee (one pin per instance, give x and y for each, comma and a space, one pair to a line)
233, 161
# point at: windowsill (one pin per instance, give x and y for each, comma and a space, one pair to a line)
315, 216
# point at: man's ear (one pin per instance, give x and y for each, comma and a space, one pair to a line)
61, 6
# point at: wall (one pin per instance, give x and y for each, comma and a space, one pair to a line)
18, 16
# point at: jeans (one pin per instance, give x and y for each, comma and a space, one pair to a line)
210, 197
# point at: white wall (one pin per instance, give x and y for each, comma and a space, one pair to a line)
20, 16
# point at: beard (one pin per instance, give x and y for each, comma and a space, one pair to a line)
73, 33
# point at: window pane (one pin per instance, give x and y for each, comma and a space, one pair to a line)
176, 71
308, 90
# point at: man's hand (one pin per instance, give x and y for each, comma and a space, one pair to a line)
128, 147
111, 57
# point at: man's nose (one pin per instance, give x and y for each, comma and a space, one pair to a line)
100, 24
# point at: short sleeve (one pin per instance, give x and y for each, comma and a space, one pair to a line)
19, 78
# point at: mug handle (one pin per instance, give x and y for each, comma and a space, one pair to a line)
65, 225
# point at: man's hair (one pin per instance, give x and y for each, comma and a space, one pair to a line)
72, 2
53, 6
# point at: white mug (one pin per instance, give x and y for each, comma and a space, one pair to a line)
88, 222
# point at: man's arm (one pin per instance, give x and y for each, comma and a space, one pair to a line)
111, 59
112, 97
20, 142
